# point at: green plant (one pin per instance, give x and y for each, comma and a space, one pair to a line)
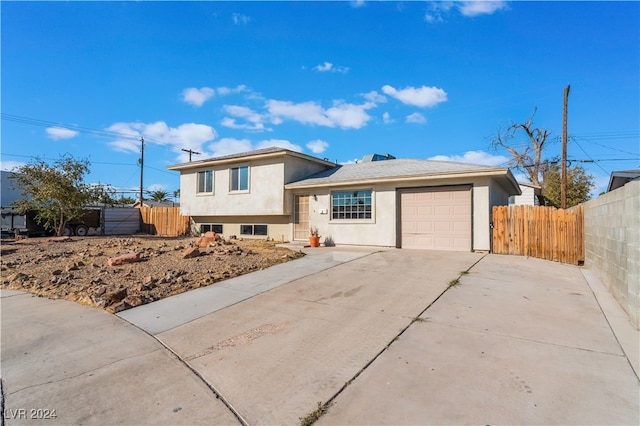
313, 416
454, 283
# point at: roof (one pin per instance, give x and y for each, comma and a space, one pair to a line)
621, 178
271, 151
399, 169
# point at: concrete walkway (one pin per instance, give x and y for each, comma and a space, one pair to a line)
378, 334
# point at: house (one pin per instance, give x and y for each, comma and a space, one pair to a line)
382, 201
531, 195
621, 178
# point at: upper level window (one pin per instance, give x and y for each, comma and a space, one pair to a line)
351, 204
240, 178
205, 181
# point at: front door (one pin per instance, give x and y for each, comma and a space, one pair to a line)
301, 217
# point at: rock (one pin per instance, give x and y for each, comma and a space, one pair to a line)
57, 272
115, 296
124, 258
17, 277
118, 307
133, 300
73, 267
191, 253
209, 238
59, 239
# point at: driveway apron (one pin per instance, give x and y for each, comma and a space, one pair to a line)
276, 355
518, 341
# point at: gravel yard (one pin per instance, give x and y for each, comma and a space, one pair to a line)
77, 268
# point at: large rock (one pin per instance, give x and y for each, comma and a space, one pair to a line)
190, 253
208, 239
124, 258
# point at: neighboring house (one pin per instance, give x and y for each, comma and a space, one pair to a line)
403, 203
621, 178
8, 192
530, 196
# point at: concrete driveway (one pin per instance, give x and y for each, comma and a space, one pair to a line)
379, 335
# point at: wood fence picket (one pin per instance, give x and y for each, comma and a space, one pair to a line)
538, 231
164, 221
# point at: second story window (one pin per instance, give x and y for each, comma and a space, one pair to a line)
205, 182
240, 178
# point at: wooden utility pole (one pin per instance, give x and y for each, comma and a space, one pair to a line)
141, 168
563, 182
190, 152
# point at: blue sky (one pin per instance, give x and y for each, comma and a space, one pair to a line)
336, 80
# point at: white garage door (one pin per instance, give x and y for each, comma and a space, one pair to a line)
436, 218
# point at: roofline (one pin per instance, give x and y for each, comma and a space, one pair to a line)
248, 155
411, 178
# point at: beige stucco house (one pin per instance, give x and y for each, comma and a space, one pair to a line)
381, 201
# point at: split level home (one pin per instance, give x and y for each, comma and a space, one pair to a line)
379, 201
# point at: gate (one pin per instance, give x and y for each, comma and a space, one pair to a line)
538, 231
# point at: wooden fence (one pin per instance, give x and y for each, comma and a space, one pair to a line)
543, 232
164, 221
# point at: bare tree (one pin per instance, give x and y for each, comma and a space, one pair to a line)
529, 159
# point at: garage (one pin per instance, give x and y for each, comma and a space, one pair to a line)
436, 218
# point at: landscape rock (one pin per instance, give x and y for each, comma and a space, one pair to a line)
191, 253
124, 258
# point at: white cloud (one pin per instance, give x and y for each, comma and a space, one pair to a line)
280, 143
415, 118
474, 157
439, 10
357, 3
239, 18
187, 136
375, 97
197, 97
417, 96
256, 120
157, 187
386, 118
56, 133
328, 67
478, 7
228, 146
9, 166
229, 90
317, 146
341, 114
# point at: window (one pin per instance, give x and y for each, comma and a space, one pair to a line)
253, 229
351, 204
210, 227
240, 178
205, 181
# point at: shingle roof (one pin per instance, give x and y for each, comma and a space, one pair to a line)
397, 168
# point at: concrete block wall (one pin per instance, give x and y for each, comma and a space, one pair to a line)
612, 244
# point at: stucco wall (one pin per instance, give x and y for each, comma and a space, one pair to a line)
278, 227
381, 230
612, 244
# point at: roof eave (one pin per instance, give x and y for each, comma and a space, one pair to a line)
412, 178
238, 159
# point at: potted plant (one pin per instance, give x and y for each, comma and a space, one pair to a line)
314, 237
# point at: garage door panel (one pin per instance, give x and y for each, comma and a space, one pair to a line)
436, 218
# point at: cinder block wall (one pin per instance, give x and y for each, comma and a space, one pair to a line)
612, 244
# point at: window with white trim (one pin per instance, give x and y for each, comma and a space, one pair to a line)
205, 182
239, 178
206, 227
351, 205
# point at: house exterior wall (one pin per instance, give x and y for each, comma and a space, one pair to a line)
612, 244
382, 229
278, 227
527, 198
266, 194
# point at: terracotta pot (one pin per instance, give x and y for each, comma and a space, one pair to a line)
314, 241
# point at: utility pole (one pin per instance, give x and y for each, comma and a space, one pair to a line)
190, 152
563, 182
141, 168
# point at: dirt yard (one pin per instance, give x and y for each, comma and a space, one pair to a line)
78, 268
